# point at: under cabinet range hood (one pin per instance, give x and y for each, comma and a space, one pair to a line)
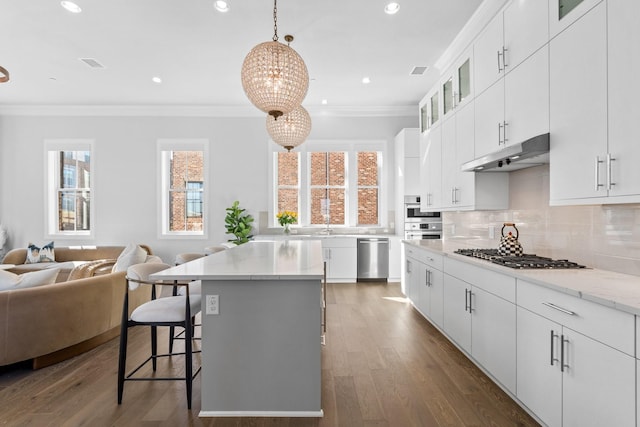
532, 152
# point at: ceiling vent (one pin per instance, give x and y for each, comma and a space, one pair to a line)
418, 71
92, 62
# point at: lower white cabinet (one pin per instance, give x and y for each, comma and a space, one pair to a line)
483, 325
568, 378
341, 256
424, 283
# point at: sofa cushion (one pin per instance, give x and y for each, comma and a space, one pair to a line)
37, 254
27, 280
131, 255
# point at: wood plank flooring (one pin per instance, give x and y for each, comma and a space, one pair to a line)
382, 365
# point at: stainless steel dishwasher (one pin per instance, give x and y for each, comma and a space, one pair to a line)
373, 259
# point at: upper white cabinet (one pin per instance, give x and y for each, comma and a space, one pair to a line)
457, 84
526, 29
563, 13
592, 108
623, 94
489, 52
517, 31
430, 110
431, 169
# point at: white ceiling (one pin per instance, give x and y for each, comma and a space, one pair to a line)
198, 51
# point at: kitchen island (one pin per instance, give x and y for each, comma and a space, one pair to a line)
261, 328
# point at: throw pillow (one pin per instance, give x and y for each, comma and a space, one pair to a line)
43, 254
27, 280
131, 255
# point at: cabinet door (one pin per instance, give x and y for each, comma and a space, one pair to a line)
624, 92
430, 169
493, 333
465, 141
342, 263
526, 29
409, 272
436, 295
563, 13
449, 161
421, 288
526, 108
539, 384
411, 175
457, 321
489, 120
487, 55
598, 384
578, 108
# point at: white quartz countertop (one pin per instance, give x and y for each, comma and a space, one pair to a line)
617, 290
256, 260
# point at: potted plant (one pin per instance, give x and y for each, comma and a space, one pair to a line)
238, 223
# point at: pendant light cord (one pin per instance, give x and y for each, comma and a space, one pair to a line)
275, 20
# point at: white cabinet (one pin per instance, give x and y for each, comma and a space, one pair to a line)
457, 84
516, 107
340, 254
480, 316
578, 109
563, 13
594, 108
395, 258
406, 171
431, 170
623, 94
526, 29
430, 110
424, 282
489, 51
575, 359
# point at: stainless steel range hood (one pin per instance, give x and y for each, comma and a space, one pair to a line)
532, 152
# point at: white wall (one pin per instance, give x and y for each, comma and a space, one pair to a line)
125, 171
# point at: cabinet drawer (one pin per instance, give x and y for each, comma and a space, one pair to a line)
498, 284
607, 325
431, 259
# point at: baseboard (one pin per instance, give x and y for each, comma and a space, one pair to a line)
270, 414
75, 350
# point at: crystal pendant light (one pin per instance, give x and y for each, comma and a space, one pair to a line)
274, 76
291, 129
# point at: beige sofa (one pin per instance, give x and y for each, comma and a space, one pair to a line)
50, 323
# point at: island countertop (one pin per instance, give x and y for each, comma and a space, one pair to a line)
255, 260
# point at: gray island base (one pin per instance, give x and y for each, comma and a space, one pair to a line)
261, 352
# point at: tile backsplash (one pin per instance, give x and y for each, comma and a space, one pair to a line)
598, 236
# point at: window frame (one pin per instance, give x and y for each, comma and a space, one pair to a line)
351, 147
165, 146
52, 149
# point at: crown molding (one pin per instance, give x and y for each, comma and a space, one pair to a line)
196, 111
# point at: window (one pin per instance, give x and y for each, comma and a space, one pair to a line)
288, 182
183, 178
69, 182
329, 186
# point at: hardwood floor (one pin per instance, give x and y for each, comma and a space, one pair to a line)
382, 365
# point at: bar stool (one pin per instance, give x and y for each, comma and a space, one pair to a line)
169, 311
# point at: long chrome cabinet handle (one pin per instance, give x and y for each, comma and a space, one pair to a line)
499, 65
499, 133
597, 173
504, 133
504, 58
466, 300
562, 353
555, 307
553, 339
609, 160
408, 267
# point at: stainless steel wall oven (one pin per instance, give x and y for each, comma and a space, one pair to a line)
420, 225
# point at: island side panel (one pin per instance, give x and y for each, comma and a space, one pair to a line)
262, 353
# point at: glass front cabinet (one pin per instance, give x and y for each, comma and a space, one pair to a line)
429, 111
457, 85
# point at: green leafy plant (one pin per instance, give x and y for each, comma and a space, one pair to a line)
238, 223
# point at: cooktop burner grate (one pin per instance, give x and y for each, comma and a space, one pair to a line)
524, 261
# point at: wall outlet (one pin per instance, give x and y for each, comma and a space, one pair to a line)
213, 304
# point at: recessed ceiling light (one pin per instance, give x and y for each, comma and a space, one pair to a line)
366, 80
325, 102
71, 6
221, 6
392, 8
156, 79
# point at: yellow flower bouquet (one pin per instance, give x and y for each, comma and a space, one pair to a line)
286, 218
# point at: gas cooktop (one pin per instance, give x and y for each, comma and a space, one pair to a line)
523, 261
